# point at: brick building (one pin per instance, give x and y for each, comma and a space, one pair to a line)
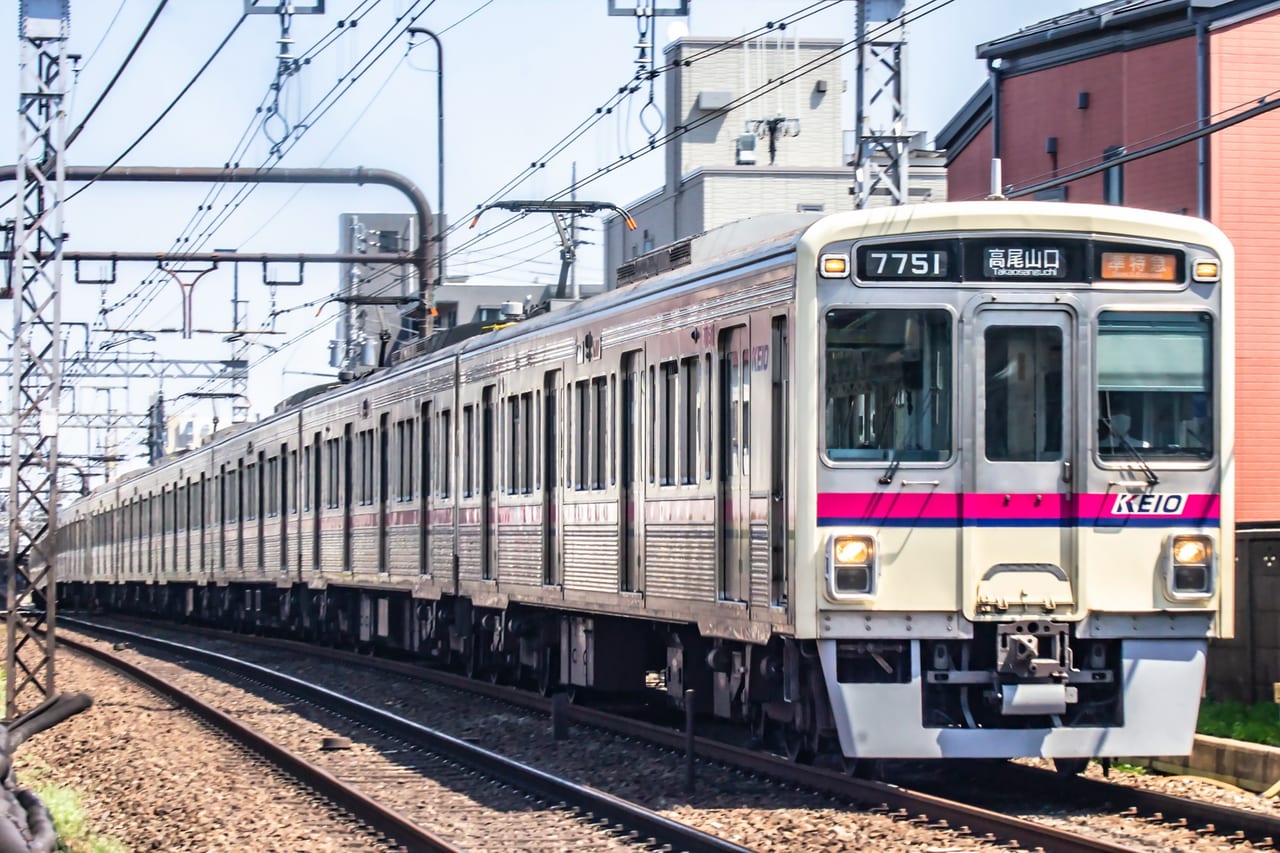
1115, 78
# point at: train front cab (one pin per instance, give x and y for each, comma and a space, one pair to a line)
1022, 508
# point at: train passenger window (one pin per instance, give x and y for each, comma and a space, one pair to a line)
1155, 391
526, 443
446, 453
653, 420
600, 431
888, 379
273, 487
306, 478
514, 436
1024, 400
364, 467
690, 403
405, 460
710, 433
668, 418
582, 435
333, 474
290, 477
468, 452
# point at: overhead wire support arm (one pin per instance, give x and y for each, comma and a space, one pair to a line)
559, 210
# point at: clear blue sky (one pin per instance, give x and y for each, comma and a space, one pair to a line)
518, 75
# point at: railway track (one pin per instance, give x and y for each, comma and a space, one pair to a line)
917, 808
528, 808
1208, 819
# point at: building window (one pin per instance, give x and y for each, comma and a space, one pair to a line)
1113, 177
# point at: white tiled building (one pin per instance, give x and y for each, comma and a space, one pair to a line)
712, 178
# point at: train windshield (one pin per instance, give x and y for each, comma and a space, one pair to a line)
888, 383
1154, 385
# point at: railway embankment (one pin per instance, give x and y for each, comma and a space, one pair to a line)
1251, 766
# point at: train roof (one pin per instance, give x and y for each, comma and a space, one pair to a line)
750, 241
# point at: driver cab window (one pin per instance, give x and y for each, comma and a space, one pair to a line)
1154, 385
888, 382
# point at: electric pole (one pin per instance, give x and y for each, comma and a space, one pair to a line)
35, 378
882, 156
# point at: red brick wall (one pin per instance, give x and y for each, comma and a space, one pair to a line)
1245, 203
1135, 98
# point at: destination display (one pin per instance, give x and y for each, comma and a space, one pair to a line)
1016, 260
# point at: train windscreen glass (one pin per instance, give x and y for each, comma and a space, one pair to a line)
1155, 391
888, 376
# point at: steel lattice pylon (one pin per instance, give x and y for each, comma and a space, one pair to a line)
35, 381
882, 156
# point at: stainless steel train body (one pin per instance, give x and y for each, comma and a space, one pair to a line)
936, 481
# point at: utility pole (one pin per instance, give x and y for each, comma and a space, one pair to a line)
35, 379
239, 346
882, 156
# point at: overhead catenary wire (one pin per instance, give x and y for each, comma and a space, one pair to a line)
328, 100
344, 26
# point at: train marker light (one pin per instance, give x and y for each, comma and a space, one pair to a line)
834, 266
1191, 565
1206, 269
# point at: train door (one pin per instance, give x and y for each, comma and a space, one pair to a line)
630, 449
1020, 517
733, 493
550, 478
488, 484
384, 489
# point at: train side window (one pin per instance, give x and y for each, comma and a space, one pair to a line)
653, 421
306, 478
690, 401
291, 478
710, 434
600, 430
272, 487
468, 451
582, 435
513, 444
424, 468
668, 415
526, 442
446, 454
364, 481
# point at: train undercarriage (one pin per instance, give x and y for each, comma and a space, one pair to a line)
777, 689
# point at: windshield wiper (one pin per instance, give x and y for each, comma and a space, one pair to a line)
895, 460
1152, 478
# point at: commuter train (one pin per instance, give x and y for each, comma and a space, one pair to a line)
947, 480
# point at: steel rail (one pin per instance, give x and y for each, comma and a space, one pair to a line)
871, 794
1235, 825
358, 804
650, 824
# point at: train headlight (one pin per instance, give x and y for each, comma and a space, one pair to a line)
1191, 567
851, 566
